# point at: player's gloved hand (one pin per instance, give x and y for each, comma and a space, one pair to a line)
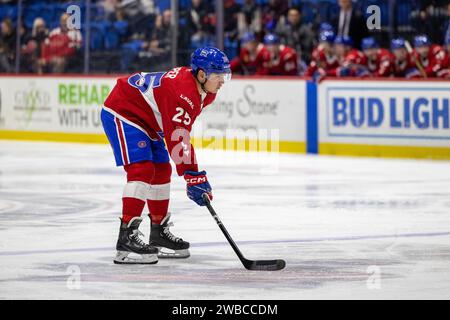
412, 73
362, 72
343, 71
197, 185
319, 74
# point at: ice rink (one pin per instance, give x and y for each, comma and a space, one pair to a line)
347, 227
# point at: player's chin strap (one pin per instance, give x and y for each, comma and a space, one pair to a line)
202, 84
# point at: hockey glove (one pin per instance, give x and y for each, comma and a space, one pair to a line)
197, 185
344, 71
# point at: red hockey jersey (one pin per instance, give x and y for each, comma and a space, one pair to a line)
250, 63
323, 62
283, 64
383, 65
406, 68
162, 102
436, 60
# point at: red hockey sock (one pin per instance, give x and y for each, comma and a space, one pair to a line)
158, 199
132, 207
158, 209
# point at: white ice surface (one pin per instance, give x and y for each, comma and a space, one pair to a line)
333, 220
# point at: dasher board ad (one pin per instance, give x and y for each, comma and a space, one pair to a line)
256, 107
413, 113
53, 104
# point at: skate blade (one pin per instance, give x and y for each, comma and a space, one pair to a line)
122, 257
166, 253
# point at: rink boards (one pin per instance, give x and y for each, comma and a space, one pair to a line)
389, 118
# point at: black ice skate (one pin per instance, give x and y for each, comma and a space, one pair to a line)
168, 245
130, 243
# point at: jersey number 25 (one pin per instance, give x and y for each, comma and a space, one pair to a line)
181, 113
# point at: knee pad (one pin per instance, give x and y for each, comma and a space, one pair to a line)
162, 174
140, 171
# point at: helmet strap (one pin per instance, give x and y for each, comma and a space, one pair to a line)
202, 84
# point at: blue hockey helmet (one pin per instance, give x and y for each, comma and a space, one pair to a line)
447, 40
325, 26
211, 60
344, 40
421, 41
247, 37
369, 43
398, 43
326, 36
271, 39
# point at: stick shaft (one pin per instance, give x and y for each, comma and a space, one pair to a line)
224, 230
416, 61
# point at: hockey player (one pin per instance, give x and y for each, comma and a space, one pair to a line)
282, 59
379, 62
351, 61
142, 111
445, 73
323, 58
251, 58
432, 56
404, 65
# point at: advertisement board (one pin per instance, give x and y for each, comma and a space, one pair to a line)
388, 118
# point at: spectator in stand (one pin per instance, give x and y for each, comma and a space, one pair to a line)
432, 57
404, 65
250, 18
379, 61
430, 19
252, 57
231, 12
447, 25
324, 60
272, 12
160, 46
141, 15
32, 50
295, 34
350, 23
200, 24
7, 45
61, 46
110, 7
283, 60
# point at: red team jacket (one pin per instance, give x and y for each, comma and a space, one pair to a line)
383, 65
251, 63
403, 68
322, 62
436, 60
283, 64
161, 102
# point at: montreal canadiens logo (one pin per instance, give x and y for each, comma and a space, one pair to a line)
142, 144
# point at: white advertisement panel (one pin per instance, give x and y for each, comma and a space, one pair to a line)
53, 104
403, 113
271, 109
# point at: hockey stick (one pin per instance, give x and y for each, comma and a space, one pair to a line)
416, 61
263, 265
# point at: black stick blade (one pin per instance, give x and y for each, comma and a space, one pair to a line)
265, 265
